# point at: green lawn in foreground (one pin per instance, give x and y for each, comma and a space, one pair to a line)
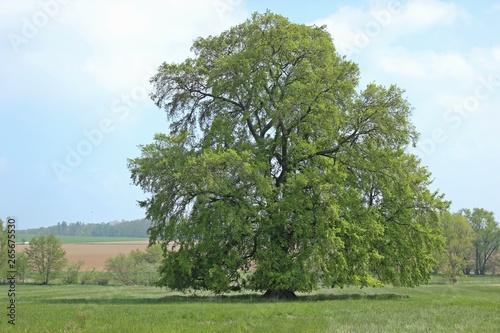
472, 305
83, 239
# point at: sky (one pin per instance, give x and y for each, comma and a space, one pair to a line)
74, 85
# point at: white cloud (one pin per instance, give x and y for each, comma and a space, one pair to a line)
354, 29
425, 65
95, 51
127, 38
117, 42
419, 15
487, 58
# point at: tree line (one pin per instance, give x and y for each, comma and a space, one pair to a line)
134, 228
471, 243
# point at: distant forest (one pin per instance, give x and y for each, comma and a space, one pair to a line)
136, 228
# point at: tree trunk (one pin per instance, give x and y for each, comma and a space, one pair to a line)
478, 259
279, 294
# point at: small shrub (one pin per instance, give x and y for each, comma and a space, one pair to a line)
102, 281
88, 277
72, 273
137, 268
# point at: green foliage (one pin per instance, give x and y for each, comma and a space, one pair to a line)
138, 267
460, 238
71, 275
21, 266
88, 277
278, 174
487, 240
119, 266
102, 280
152, 255
46, 256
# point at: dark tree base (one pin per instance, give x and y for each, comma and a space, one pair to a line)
280, 294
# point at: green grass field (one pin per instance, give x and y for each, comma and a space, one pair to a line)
472, 305
83, 239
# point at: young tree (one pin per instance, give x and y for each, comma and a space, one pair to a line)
459, 243
487, 236
46, 256
121, 267
72, 273
278, 174
21, 266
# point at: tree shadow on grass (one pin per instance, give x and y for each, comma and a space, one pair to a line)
247, 298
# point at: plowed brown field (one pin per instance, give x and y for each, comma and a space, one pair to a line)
95, 254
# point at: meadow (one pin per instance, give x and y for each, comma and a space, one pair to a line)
472, 305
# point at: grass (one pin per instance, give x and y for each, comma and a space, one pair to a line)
472, 305
83, 239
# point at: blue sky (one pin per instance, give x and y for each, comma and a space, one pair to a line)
74, 85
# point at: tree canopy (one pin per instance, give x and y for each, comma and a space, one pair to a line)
46, 256
459, 243
487, 239
279, 173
